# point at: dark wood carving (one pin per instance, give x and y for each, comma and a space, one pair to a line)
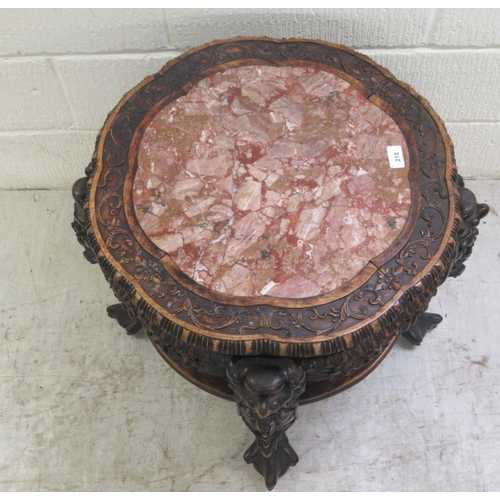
79, 224
471, 213
424, 324
131, 323
261, 322
267, 391
270, 351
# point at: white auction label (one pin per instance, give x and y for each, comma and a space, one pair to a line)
396, 159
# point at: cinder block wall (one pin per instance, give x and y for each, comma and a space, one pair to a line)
61, 71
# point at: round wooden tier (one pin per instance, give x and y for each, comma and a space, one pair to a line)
275, 213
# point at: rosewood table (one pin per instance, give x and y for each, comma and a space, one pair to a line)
274, 213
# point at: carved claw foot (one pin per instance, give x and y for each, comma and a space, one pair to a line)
131, 325
276, 465
267, 392
425, 323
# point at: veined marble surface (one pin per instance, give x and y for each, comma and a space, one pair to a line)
272, 181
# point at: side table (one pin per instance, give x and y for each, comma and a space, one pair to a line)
274, 213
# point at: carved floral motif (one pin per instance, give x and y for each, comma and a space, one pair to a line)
388, 278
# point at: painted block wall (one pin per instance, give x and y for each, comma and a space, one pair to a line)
62, 71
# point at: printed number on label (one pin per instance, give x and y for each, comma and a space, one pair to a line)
396, 158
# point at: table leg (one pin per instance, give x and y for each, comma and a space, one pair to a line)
471, 213
267, 392
79, 224
131, 324
424, 324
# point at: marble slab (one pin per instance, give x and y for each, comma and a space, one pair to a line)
275, 181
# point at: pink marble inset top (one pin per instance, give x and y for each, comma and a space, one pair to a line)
271, 181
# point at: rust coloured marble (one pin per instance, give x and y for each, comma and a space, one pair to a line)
274, 181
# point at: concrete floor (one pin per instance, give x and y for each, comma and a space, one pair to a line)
87, 408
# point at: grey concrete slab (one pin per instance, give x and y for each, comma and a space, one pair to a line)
87, 408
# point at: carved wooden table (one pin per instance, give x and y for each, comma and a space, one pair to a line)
274, 214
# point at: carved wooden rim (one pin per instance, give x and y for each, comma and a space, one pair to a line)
261, 325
